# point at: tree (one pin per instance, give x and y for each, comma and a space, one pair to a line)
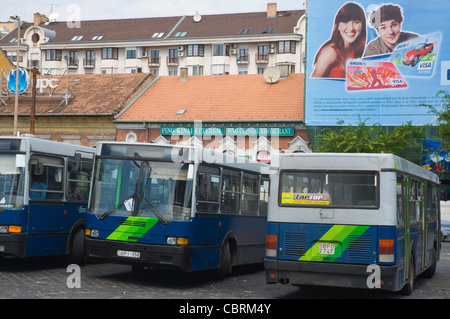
442, 119
368, 139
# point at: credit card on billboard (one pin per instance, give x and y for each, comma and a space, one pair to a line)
373, 75
417, 57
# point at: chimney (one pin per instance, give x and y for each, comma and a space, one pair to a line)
183, 74
272, 10
39, 19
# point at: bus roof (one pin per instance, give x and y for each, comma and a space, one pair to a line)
352, 161
202, 155
52, 147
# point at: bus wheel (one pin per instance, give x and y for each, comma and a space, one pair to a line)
408, 288
225, 262
76, 248
430, 271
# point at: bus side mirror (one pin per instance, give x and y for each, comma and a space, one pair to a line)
205, 184
38, 169
76, 163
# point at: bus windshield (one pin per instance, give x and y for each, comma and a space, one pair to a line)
135, 187
12, 172
330, 189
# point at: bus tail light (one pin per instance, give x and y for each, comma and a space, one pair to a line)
386, 250
271, 245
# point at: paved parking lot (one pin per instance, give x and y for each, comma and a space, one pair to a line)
47, 278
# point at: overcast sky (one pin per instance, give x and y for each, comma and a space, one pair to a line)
115, 9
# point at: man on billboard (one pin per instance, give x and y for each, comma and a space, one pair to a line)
387, 21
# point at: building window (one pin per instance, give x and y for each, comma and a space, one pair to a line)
180, 34
173, 56
243, 55
286, 47
246, 31
131, 53
243, 70
221, 50
110, 53
90, 58
53, 55
98, 37
219, 69
73, 58
154, 57
195, 50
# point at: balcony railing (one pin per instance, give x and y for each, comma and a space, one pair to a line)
172, 60
243, 58
153, 60
262, 58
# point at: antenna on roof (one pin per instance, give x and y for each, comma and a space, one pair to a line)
53, 15
197, 17
272, 74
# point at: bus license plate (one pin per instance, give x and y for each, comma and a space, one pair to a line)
130, 254
326, 249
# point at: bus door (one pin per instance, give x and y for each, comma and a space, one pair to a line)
407, 245
207, 201
46, 217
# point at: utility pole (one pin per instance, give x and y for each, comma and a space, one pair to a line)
16, 102
33, 102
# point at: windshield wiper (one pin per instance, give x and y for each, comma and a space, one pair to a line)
155, 212
114, 208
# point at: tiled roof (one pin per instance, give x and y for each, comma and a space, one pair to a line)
144, 28
219, 98
99, 94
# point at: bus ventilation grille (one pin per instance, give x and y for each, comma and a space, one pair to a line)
360, 248
134, 223
294, 244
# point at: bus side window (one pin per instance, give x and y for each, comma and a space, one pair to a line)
49, 178
208, 189
264, 196
250, 194
78, 180
231, 188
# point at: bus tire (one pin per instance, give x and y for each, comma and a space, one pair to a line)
76, 247
225, 262
409, 286
431, 270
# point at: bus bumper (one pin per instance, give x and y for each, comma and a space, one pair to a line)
332, 275
13, 245
164, 256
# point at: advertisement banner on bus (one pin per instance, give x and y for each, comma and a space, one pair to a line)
376, 61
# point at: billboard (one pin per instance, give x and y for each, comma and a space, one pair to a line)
376, 60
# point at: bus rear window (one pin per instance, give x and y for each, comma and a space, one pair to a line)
330, 189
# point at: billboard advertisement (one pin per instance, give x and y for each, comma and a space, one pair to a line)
376, 60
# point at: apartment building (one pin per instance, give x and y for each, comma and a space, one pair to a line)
239, 43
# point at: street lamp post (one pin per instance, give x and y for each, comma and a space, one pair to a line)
16, 102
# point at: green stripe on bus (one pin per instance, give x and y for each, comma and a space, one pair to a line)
341, 235
132, 229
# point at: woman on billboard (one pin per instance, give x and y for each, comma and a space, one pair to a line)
348, 40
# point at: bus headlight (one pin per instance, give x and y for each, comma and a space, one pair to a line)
10, 229
177, 241
92, 232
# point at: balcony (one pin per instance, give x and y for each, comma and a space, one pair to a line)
262, 58
242, 58
154, 61
172, 61
89, 63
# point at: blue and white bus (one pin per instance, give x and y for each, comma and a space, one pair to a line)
351, 220
44, 191
175, 206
